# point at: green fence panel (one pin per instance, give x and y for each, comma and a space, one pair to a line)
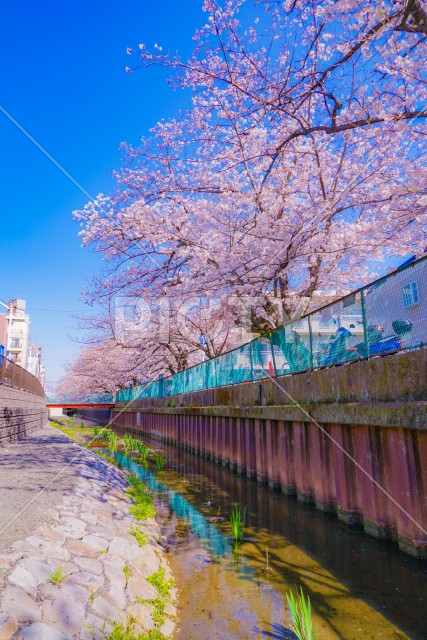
262, 359
224, 369
234, 366
210, 373
292, 347
338, 332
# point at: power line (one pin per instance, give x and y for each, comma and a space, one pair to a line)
56, 310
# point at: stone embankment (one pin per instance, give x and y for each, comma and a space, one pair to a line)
81, 572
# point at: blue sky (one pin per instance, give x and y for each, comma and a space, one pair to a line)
62, 69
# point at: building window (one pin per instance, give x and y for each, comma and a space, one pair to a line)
410, 294
16, 343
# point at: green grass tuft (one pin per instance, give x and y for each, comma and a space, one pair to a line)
139, 535
163, 586
302, 621
127, 571
127, 632
237, 521
161, 583
57, 576
144, 507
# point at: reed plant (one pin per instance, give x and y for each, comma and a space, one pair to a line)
302, 620
112, 440
159, 461
127, 442
143, 450
237, 521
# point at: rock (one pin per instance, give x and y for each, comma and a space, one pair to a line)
8, 626
64, 614
167, 627
67, 567
138, 587
89, 518
87, 579
53, 513
124, 549
114, 572
142, 616
40, 570
66, 590
106, 610
89, 564
40, 631
71, 527
17, 602
80, 548
20, 577
117, 596
147, 563
48, 533
11, 558
106, 532
48, 549
96, 543
95, 630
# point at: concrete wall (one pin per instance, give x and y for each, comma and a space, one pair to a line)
333, 454
21, 413
100, 416
55, 412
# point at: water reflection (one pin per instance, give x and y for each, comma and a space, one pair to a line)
216, 542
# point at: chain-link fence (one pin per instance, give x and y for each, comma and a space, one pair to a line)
87, 398
387, 316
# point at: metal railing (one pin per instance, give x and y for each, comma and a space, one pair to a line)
384, 317
12, 375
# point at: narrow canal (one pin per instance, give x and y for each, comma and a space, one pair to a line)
360, 588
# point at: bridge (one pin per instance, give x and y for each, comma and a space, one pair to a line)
79, 402
76, 405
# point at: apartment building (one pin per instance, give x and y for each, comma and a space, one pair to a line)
18, 332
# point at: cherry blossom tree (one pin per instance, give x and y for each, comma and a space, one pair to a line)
298, 168
100, 368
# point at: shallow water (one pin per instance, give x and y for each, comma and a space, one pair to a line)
360, 588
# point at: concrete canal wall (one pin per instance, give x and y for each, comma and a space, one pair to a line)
369, 415
21, 413
100, 416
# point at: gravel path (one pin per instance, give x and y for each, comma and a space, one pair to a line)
25, 469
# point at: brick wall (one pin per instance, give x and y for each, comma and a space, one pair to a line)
21, 413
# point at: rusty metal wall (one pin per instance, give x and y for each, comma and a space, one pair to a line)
12, 375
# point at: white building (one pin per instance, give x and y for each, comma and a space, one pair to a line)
18, 332
34, 364
16, 338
